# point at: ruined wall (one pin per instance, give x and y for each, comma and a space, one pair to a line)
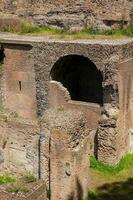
19, 89
19, 129
126, 102
18, 145
70, 13
64, 144
69, 152
106, 56
60, 98
114, 130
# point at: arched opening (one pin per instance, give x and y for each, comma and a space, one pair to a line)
80, 76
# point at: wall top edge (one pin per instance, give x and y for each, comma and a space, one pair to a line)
29, 40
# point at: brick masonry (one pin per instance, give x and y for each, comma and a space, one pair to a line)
69, 14
19, 81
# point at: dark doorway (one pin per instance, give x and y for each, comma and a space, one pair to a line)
80, 76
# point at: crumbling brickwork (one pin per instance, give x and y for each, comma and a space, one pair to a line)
18, 145
111, 144
55, 144
106, 56
80, 13
59, 97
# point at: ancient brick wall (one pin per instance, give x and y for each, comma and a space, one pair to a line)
103, 55
69, 152
67, 13
19, 89
18, 145
126, 102
60, 98
106, 57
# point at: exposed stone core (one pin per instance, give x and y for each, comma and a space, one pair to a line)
69, 14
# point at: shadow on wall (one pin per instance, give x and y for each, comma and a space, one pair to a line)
96, 144
78, 193
2, 55
114, 191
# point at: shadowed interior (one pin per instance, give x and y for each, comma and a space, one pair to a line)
80, 76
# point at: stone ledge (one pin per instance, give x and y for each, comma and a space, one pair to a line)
9, 38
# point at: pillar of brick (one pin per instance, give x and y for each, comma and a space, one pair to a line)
69, 154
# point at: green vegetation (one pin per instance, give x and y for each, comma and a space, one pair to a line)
93, 196
1, 108
113, 191
29, 178
13, 115
48, 193
128, 31
1, 70
16, 188
18, 185
21, 185
27, 28
60, 109
6, 179
111, 183
125, 163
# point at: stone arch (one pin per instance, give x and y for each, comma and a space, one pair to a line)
81, 78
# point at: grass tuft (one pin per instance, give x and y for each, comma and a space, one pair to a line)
6, 179
26, 27
60, 109
17, 188
93, 196
125, 163
29, 178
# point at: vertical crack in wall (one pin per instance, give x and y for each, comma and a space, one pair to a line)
2, 55
49, 194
